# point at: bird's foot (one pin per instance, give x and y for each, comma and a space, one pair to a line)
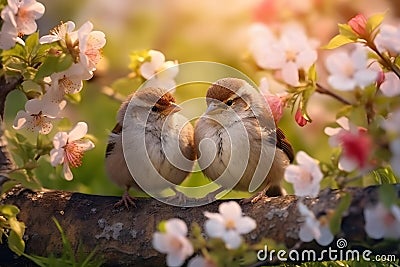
178, 199
254, 199
126, 201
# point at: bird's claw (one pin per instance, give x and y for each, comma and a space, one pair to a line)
126, 201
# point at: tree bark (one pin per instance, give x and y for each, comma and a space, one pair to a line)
123, 237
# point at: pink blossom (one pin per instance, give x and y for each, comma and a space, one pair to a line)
355, 142
69, 149
381, 222
90, 42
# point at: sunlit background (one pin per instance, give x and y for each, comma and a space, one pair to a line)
186, 31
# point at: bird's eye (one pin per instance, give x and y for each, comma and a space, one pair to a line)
154, 109
229, 102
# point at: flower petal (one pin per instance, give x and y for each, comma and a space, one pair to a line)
56, 156
174, 259
230, 210
161, 242
67, 172
290, 74
85, 145
176, 227
325, 237
214, 228
157, 58
20, 119
78, 131
232, 239
60, 140
245, 225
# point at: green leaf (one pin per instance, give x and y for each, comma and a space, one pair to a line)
384, 176
336, 220
312, 73
9, 211
32, 43
74, 98
346, 31
7, 186
338, 41
16, 243
374, 22
17, 226
30, 85
53, 64
17, 51
388, 195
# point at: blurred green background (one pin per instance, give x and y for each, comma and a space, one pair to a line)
185, 31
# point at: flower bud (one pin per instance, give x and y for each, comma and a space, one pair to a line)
358, 25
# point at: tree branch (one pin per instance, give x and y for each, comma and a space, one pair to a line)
6, 164
322, 90
123, 237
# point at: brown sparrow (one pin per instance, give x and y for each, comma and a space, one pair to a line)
237, 143
151, 145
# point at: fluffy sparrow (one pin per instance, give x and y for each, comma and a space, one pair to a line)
151, 142
236, 138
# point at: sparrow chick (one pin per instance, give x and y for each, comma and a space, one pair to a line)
150, 142
236, 140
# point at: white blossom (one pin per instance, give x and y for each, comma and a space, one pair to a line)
158, 72
388, 38
349, 71
312, 228
229, 224
19, 18
391, 85
173, 242
38, 115
306, 176
282, 53
200, 261
89, 42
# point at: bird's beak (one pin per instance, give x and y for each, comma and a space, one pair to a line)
213, 108
172, 108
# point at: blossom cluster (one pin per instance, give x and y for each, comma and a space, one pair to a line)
228, 225
83, 46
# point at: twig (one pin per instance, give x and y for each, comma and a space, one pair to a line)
324, 91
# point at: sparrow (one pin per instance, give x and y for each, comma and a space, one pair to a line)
149, 143
237, 143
